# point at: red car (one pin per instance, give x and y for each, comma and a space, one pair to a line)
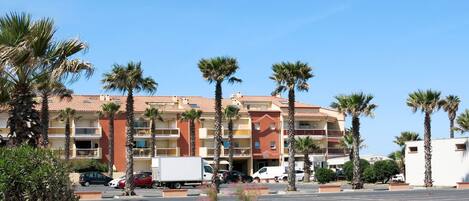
143, 180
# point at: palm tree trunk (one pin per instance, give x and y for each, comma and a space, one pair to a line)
357, 182
428, 151
192, 127
230, 149
291, 141
350, 156
111, 145
45, 120
129, 177
451, 126
307, 168
217, 137
67, 139
153, 137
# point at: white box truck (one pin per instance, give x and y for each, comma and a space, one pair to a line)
175, 172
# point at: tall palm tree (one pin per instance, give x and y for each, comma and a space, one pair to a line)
67, 115
355, 105
401, 140
289, 77
110, 110
451, 106
28, 50
306, 146
463, 122
347, 143
427, 102
192, 115
217, 70
231, 112
153, 114
129, 79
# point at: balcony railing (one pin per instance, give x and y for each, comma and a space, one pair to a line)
87, 131
307, 132
336, 151
146, 152
316, 152
335, 133
209, 133
57, 131
224, 152
80, 153
159, 132
142, 152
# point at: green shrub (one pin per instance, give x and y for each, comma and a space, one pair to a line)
324, 175
88, 165
385, 169
348, 168
369, 175
33, 174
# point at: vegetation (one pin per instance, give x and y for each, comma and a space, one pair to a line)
129, 79
27, 173
463, 122
192, 116
153, 114
384, 170
347, 143
324, 175
369, 175
290, 77
110, 110
67, 115
349, 168
217, 70
231, 112
355, 105
451, 106
427, 102
399, 156
88, 165
306, 146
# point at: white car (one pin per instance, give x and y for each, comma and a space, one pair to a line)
398, 178
115, 182
299, 176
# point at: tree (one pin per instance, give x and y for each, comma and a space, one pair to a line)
347, 143
355, 105
217, 70
153, 114
306, 146
110, 110
384, 170
129, 79
67, 115
289, 77
463, 122
399, 156
192, 115
28, 51
451, 106
427, 102
349, 168
231, 112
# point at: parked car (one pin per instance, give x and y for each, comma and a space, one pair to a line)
143, 180
300, 175
339, 175
236, 176
269, 172
398, 178
221, 173
94, 177
115, 182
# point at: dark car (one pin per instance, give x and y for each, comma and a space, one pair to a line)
236, 176
94, 177
143, 180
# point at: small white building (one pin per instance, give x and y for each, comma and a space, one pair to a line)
338, 162
450, 162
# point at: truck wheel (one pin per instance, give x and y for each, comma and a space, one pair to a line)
154, 185
177, 185
87, 184
257, 179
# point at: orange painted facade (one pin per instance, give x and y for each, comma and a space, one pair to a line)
266, 135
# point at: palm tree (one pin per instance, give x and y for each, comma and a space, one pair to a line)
28, 50
231, 112
290, 77
129, 79
110, 110
306, 146
401, 140
217, 70
451, 106
355, 105
67, 115
347, 143
463, 122
427, 102
153, 114
192, 115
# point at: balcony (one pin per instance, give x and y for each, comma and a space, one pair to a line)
337, 151
167, 151
145, 153
320, 151
307, 132
56, 132
80, 153
335, 133
145, 132
206, 133
87, 132
142, 152
224, 152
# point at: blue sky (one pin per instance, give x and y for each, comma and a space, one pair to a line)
387, 48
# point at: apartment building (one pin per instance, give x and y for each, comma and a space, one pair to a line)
260, 132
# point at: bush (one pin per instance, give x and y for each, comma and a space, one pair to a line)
348, 168
88, 165
369, 175
27, 173
385, 169
324, 175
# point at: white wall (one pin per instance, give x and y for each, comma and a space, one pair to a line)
448, 165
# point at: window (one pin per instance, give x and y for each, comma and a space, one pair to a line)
460, 147
257, 145
273, 145
304, 125
257, 126
262, 170
412, 149
208, 169
272, 126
